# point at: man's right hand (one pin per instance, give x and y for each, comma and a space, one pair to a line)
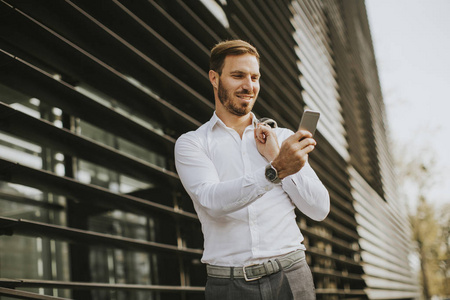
266, 142
294, 153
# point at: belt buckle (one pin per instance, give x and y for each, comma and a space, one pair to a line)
245, 273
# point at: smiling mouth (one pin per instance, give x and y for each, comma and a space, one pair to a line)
245, 97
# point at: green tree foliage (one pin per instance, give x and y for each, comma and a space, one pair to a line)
430, 224
443, 249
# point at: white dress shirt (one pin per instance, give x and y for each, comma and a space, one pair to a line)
245, 218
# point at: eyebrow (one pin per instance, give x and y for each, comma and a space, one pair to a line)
242, 72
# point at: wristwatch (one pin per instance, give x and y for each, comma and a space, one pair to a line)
272, 174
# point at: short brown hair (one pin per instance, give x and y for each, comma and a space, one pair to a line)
233, 47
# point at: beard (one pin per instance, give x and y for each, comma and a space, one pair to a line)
238, 109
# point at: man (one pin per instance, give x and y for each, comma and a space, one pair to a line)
245, 187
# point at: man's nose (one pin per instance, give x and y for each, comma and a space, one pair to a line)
247, 83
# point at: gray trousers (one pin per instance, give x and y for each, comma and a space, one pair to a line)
294, 283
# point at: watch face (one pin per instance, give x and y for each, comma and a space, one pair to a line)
271, 174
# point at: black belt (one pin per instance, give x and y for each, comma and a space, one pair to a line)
256, 271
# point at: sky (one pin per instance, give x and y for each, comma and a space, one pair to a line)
412, 48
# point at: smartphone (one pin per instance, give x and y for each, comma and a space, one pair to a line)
309, 121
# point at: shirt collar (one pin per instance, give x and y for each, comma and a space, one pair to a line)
215, 120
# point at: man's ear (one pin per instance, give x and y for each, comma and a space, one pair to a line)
214, 78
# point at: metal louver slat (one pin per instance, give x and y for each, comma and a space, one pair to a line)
101, 197
10, 226
60, 139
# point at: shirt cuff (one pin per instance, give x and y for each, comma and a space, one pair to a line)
263, 184
292, 182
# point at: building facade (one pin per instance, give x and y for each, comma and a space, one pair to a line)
93, 95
